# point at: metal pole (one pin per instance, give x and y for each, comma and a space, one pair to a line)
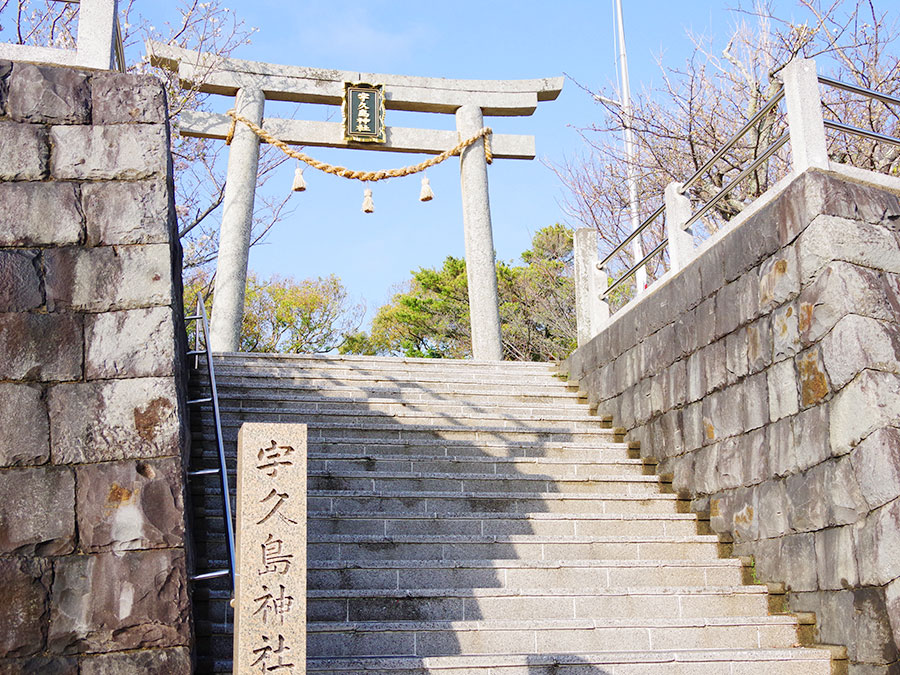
637, 251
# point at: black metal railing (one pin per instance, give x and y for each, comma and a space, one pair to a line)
202, 326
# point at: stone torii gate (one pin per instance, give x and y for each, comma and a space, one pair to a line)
252, 83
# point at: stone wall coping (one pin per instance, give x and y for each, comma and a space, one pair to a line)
850, 173
96, 43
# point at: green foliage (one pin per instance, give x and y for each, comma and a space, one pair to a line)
282, 315
358, 343
537, 310
429, 317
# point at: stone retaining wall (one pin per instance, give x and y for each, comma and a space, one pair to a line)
92, 525
765, 377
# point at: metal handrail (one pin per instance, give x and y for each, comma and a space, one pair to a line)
870, 93
762, 112
223, 474
764, 155
874, 135
771, 103
634, 233
634, 268
884, 98
768, 152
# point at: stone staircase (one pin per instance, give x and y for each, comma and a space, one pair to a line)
475, 518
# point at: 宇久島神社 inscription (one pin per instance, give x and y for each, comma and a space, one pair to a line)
363, 109
270, 593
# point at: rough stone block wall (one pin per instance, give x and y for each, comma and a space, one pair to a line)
92, 523
766, 378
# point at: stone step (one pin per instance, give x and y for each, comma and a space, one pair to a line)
331, 376
484, 524
489, 420
239, 384
498, 466
338, 501
477, 483
605, 451
207, 501
522, 547
513, 434
234, 400
518, 573
323, 385
559, 525
798, 661
438, 369
535, 603
457, 468
436, 638
378, 363
356, 549
466, 604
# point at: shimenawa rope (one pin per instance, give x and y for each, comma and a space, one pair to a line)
344, 172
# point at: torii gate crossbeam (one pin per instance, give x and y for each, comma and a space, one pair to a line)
252, 83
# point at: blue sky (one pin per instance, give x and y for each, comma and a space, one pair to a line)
328, 233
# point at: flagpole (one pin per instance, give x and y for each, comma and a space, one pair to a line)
630, 168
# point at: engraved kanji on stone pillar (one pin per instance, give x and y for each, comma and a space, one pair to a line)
270, 589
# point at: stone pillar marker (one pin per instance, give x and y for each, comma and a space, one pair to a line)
237, 222
270, 588
804, 112
681, 240
481, 270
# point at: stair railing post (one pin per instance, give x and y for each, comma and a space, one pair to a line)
237, 224
481, 268
681, 240
804, 112
590, 311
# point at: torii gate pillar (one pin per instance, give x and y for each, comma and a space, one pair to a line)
481, 270
237, 223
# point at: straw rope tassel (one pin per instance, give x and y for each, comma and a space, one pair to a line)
368, 205
426, 194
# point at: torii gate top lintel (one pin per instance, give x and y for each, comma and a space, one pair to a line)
216, 75
213, 74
